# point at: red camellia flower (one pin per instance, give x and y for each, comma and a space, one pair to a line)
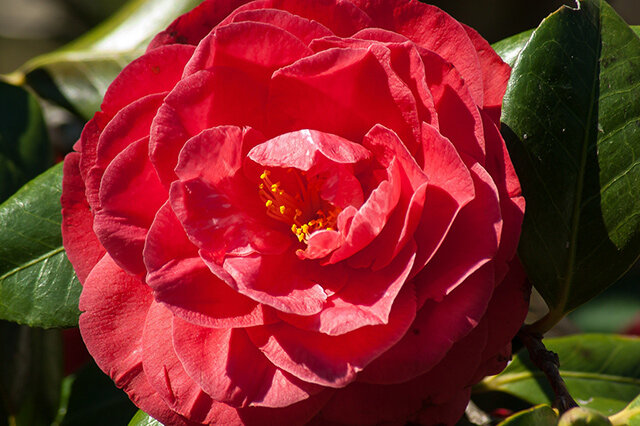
293, 211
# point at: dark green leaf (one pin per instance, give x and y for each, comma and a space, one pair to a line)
571, 118
93, 399
143, 419
30, 373
24, 145
38, 286
540, 415
77, 75
601, 372
510, 47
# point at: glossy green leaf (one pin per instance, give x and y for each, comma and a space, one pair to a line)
77, 75
143, 419
510, 47
601, 372
571, 118
38, 286
93, 399
540, 415
30, 373
25, 151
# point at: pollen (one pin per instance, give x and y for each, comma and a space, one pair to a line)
301, 208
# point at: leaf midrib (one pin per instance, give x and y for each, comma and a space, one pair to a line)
32, 262
576, 215
581, 375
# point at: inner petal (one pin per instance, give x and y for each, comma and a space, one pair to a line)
297, 202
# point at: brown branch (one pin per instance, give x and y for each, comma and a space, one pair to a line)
549, 363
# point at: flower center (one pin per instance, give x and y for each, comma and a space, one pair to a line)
305, 211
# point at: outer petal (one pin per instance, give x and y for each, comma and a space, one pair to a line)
432, 29
115, 307
193, 26
437, 327
232, 370
495, 74
363, 403
153, 72
333, 361
255, 47
511, 201
458, 115
122, 225
165, 373
479, 222
342, 17
450, 188
305, 29
80, 243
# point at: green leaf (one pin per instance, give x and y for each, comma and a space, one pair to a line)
93, 399
510, 48
143, 419
571, 118
38, 286
601, 372
25, 151
77, 75
630, 416
540, 415
30, 373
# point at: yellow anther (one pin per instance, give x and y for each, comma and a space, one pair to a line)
282, 209
265, 174
269, 203
274, 187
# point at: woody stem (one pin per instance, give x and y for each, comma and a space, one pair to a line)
549, 363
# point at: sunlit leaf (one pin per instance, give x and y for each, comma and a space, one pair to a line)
77, 75
601, 372
143, 419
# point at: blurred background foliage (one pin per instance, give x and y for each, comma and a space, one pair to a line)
32, 27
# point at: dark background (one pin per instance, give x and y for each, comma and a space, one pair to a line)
32, 27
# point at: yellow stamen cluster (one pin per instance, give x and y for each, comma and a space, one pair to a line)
298, 210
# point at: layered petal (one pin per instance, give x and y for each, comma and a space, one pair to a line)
333, 361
